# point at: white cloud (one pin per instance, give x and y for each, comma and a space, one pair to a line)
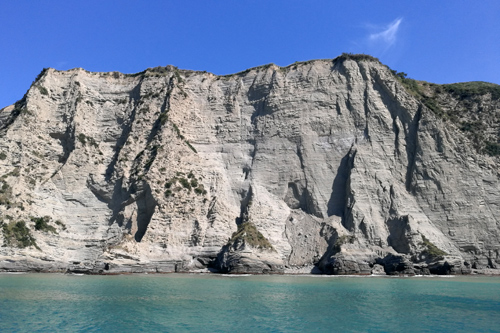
61, 65
388, 36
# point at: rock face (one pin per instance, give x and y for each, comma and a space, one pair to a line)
329, 164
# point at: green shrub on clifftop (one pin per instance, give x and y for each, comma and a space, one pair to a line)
469, 111
474, 88
357, 57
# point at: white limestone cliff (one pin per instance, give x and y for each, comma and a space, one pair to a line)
332, 164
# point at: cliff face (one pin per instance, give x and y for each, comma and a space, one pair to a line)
330, 164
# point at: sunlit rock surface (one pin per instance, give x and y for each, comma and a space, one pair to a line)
333, 164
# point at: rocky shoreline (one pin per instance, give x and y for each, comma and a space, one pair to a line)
392, 265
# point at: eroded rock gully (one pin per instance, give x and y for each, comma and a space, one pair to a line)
326, 166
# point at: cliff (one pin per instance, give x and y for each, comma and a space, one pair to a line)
336, 166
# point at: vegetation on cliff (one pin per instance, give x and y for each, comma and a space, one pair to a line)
17, 234
474, 110
248, 233
431, 249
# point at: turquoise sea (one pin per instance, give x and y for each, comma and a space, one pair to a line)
214, 303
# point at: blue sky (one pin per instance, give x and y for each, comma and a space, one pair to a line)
436, 41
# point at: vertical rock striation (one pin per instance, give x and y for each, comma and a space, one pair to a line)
329, 164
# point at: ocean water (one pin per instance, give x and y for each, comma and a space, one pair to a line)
212, 303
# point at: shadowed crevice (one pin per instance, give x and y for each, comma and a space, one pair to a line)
135, 95
165, 108
412, 148
338, 197
398, 228
6, 121
146, 205
347, 218
299, 197
245, 204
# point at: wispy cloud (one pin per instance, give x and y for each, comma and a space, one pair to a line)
61, 65
388, 35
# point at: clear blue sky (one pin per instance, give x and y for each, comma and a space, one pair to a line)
437, 41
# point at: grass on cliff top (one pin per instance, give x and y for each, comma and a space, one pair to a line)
162, 71
467, 94
461, 90
248, 233
342, 57
17, 234
356, 57
414, 87
465, 90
